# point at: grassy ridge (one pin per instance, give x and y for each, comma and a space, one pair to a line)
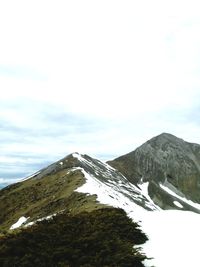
100, 238
38, 198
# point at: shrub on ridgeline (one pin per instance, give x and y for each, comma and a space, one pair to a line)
104, 237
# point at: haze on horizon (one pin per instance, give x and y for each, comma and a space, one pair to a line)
95, 77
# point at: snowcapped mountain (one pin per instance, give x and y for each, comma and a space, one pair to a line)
161, 174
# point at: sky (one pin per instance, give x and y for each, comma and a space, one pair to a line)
96, 77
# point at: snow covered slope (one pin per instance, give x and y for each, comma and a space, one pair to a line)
173, 234
173, 238
110, 186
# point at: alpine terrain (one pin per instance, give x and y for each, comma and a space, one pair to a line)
80, 211
170, 168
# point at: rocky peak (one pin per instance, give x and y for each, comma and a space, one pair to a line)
164, 158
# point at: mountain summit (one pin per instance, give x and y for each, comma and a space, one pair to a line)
170, 165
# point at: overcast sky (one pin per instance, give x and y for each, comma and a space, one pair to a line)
97, 77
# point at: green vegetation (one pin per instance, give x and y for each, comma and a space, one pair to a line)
38, 198
104, 237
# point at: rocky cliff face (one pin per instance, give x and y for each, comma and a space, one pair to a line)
166, 160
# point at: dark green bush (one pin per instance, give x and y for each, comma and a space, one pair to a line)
105, 237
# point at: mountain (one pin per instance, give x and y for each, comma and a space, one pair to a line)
71, 213
70, 204
59, 187
170, 166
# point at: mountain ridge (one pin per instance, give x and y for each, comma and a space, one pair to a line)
144, 177
55, 188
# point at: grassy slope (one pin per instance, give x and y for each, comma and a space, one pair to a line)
37, 198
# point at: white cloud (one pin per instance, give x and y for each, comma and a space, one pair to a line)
118, 49
133, 67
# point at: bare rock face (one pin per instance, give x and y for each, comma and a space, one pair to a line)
164, 159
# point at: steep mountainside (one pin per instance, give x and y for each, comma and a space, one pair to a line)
170, 165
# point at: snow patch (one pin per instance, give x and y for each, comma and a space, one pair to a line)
41, 219
178, 204
109, 176
21, 221
112, 195
144, 190
77, 156
187, 201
